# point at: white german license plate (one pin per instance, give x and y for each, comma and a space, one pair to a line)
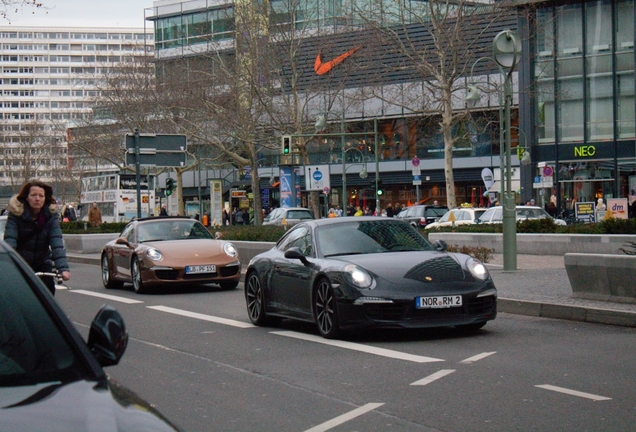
200, 269
436, 302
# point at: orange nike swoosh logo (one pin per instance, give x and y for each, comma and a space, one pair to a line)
322, 68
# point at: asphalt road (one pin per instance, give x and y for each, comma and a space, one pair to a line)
196, 357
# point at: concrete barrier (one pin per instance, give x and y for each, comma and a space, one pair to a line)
87, 243
541, 244
602, 276
248, 250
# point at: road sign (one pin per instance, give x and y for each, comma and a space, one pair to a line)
160, 143
415, 161
157, 159
317, 177
325, 190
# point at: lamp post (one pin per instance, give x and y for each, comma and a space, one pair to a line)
363, 174
506, 53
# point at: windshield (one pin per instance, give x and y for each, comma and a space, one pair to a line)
368, 237
172, 230
32, 348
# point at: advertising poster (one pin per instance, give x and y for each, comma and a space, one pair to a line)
285, 186
216, 202
618, 207
584, 211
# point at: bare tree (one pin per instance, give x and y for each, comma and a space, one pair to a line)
438, 41
7, 7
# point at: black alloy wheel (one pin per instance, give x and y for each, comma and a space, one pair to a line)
255, 299
135, 273
107, 278
325, 310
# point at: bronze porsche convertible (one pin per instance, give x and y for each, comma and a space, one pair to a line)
163, 251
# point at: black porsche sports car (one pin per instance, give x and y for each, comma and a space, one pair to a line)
367, 272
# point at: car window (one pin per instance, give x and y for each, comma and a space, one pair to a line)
446, 216
462, 215
299, 214
478, 213
299, 237
435, 211
368, 237
32, 348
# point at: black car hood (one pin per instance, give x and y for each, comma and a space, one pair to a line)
77, 406
413, 267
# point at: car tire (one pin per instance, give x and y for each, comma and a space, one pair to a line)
135, 274
228, 285
469, 328
255, 300
326, 310
107, 277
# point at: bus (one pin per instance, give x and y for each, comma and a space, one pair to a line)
116, 196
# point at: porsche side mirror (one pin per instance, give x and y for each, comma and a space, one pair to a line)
295, 253
122, 241
107, 337
441, 245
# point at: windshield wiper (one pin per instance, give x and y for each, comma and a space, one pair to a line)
344, 253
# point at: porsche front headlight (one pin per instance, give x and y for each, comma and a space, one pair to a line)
230, 250
154, 254
477, 269
358, 277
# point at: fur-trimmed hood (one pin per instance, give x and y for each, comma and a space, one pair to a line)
16, 207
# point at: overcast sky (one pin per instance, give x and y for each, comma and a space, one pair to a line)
82, 13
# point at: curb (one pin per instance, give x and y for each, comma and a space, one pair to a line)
511, 306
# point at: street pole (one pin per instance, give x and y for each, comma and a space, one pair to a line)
506, 51
344, 166
138, 174
378, 210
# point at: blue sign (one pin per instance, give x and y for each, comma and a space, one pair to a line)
317, 175
416, 177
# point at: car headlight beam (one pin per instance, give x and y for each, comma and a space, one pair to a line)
477, 269
154, 254
358, 277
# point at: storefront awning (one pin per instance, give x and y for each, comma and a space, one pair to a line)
496, 187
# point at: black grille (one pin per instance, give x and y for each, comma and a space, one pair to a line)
442, 269
228, 271
167, 274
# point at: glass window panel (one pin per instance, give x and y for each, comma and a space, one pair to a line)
598, 22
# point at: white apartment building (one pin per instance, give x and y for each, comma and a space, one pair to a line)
48, 78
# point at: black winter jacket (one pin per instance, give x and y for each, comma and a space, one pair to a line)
37, 247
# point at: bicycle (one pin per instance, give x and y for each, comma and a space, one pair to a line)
57, 278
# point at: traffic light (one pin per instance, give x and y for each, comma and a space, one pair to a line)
169, 186
379, 189
286, 144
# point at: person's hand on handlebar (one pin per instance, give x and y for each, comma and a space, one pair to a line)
66, 275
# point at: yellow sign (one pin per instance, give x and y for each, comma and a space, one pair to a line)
584, 151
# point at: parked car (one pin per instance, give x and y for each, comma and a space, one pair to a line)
291, 215
462, 216
422, 215
367, 272
50, 379
168, 251
495, 215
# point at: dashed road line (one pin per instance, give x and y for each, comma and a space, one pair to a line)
344, 418
359, 347
433, 377
211, 318
105, 296
573, 392
478, 357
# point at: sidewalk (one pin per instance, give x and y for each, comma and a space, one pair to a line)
540, 287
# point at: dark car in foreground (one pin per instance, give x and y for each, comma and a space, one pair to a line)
158, 251
367, 272
50, 379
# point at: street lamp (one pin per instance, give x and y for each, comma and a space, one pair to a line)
363, 174
506, 53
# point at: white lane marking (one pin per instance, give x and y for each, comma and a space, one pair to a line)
105, 296
573, 392
359, 347
434, 377
478, 357
345, 417
218, 320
